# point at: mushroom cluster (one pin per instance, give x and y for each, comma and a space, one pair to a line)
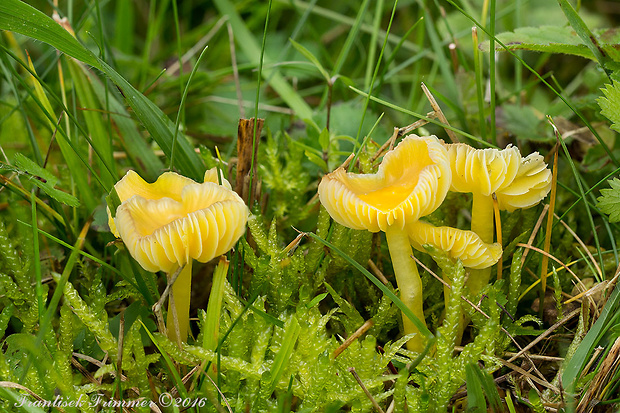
173, 221
516, 182
411, 182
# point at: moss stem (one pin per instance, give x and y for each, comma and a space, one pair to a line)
409, 283
181, 290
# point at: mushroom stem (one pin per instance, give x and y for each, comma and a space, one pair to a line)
481, 224
181, 294
482, 217
409, 283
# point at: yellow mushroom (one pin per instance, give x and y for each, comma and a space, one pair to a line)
530, 186
518, 182
411, 182
459, 244
482, 172
169, 223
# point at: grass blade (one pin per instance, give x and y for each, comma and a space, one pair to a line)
575, 365
74, 163
169, 364
214, 307
37, 262
308, 55
475, 396
401, 306
372, 82
344, 53
94, 121
142, 157
544, 81
584, 32
182, 107
24, 19
251, 49
291, 333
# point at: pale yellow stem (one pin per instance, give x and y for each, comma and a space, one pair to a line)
181, 292
482, 217
481, 224
409, 283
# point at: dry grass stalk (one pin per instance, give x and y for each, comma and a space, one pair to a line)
552, 196
530, 241
583, 245
601, 380
398, 132
358, 333
545, 334
439, 113
529, 376
359, 381
377, 272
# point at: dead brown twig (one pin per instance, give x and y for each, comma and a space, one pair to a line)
358, 333
439, 113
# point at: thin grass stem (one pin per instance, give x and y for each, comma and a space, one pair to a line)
182, 106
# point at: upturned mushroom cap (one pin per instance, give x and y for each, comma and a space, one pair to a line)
174, 219
482, 171
411, 182
459, 244
530, 186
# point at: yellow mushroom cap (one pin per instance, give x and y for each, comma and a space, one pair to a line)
175, 219
411, 182
482, 171
530, 186
459, 244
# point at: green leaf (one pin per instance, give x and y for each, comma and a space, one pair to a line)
308, 55
324, 139
316, 300
131, 314
584, 32
317, 160
609, 202
22, 18
521, 121
44, 180
610, 104
554, 39
536, 403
